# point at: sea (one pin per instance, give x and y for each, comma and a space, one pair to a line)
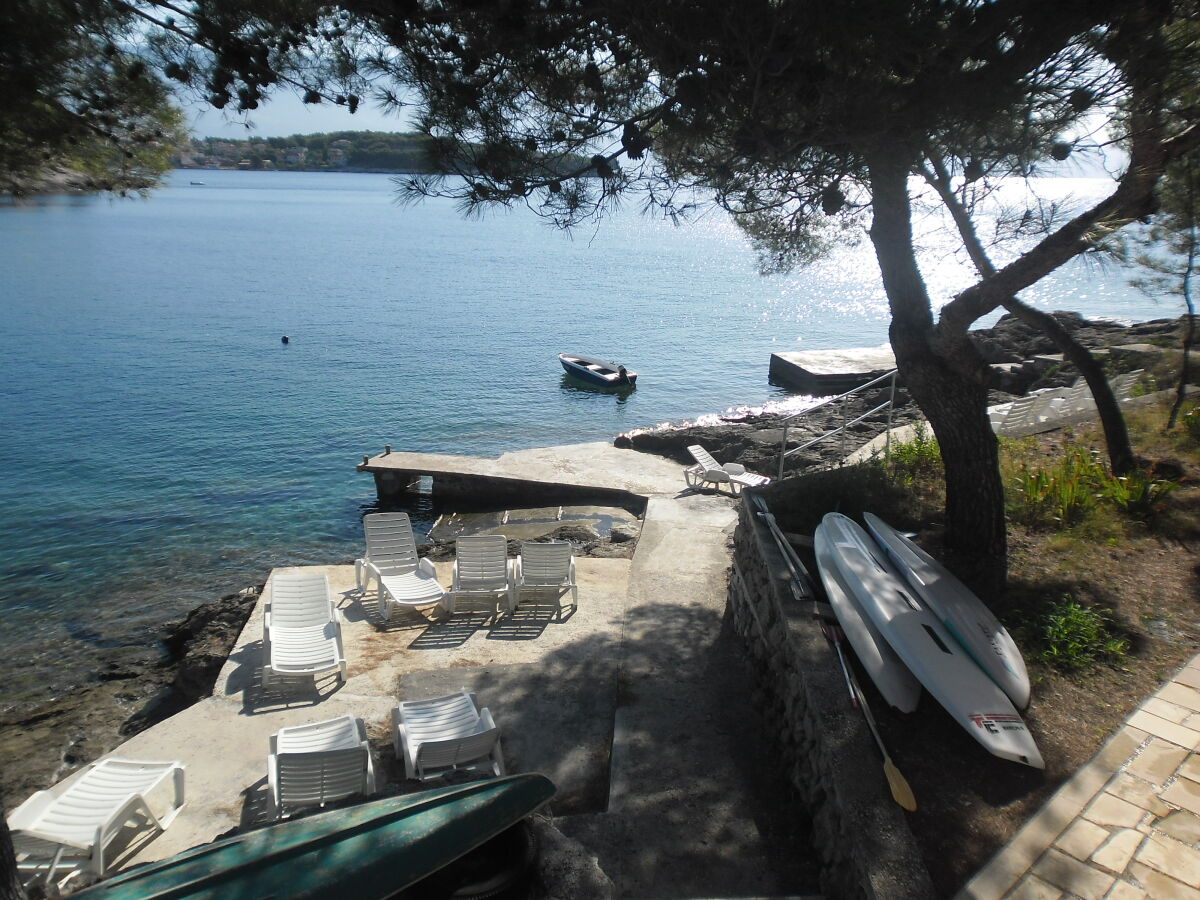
161, 445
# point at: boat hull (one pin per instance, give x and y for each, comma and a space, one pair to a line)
365, 851
595, 371
971, 623
973, 700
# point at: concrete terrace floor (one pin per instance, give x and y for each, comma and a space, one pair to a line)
637, 704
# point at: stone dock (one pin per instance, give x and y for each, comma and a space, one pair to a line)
822, 372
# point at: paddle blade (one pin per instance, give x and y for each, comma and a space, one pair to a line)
901, 792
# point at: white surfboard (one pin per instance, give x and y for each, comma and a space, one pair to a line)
898, 686
926, 647
971, 623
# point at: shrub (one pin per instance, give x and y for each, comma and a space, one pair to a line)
1191, 423
1072, 637
1137, 495
917, 459
1060, 496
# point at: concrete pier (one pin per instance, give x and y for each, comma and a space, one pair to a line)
823, 372
595, 471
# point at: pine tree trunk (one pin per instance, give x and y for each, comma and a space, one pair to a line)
10, 882
948, 380
1112, 420
1116, 435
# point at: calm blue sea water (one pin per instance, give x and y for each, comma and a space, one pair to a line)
160, 446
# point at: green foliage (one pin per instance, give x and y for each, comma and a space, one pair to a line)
1071, 637
1063, 494
1191, 423
1137, 495
76, 99
1060, 495
918, 459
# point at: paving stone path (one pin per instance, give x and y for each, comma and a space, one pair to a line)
1126, 825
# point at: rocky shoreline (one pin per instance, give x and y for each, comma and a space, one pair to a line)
754, 442
136, 689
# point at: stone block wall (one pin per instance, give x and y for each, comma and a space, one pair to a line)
865, 847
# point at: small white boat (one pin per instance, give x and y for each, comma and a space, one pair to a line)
597, 371
973, 700
895, 682
971, 623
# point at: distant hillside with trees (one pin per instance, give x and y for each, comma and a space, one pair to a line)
346, 151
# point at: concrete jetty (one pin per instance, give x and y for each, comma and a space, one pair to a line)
823, 372
637, 704
541, 475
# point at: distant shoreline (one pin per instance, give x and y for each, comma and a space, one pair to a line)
352, 170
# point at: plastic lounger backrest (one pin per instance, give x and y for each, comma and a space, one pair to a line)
1020, 414
453, 715
320, 776
1122, 386
300, 599
706, 460
444, 732
1079, 399
482, 561
545, 563
390, 543
455, 752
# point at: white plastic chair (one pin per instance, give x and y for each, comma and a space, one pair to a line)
481, 569
708, 471
1022, 414
74, 830
302, 637
318, 763
1079, 399
442, 734
1122, 386
403, 578
548, 566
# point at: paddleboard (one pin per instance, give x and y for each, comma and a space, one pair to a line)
896, 683
973, 700
966, 618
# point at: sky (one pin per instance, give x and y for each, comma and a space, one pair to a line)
284, 115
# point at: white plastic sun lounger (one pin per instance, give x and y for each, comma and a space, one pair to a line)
707, 471
73, 831
302, 637
402, 577
318, 763
442, 734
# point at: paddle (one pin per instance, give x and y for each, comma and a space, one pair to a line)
833, 634
901, 792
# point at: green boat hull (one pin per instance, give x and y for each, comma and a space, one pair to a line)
370, 850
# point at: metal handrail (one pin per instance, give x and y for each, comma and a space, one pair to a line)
862, 387
784, 452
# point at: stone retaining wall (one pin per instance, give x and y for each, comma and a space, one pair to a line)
864, 844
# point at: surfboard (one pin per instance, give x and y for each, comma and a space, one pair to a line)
971, 623
895, 682
937, 660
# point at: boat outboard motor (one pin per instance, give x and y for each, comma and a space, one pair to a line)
622, 375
